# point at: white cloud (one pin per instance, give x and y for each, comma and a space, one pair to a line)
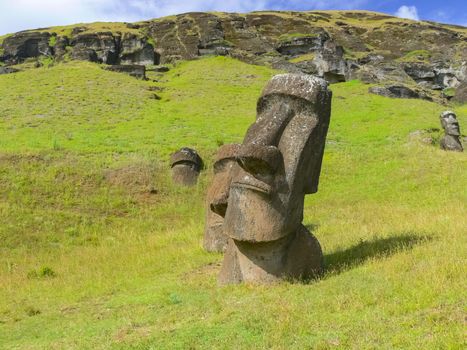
409, 12
18, 15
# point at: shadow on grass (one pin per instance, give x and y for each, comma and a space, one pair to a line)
342, 260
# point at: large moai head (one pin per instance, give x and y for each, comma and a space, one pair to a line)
451, 140
186, 165
225, 165
449, 123
279, 160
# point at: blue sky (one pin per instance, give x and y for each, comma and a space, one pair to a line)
18, 15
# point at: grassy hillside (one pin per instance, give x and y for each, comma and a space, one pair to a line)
99, 250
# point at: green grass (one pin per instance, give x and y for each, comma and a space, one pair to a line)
302, 58
293, 36
99, 250
416, 56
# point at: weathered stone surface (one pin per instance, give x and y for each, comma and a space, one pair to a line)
395, 91
60, 47
303, 44
217, 196
376, 49
279, 162
186, 165
433, 77
134, 70
451, 140
136, 50
331, 64
8, 70
24, 45
102, 47
461, 93
160, 69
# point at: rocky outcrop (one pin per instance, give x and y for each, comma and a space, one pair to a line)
8, 70
337, 45
96, 47
433, 76
102, 47
396, 91
24, 45
461, 93
137, 71
136, 50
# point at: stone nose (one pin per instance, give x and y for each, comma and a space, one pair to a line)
219, 205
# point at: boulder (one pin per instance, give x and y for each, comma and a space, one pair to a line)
102, 47
60, 47
300, 45
330, 63
136, 50
394, 91
137, 71
461, 93
7, 70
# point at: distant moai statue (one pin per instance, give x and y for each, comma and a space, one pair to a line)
186, 165
225, 164
279, 162
451, 140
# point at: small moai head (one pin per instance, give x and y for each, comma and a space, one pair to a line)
279, 159
217, 197
186, 165
449, 123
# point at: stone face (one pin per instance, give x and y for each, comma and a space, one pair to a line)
225, 166
186, 165
451, 140
134, 70
279, 162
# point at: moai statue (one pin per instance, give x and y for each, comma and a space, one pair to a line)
451, 140
186, 165
279, 162
216, 200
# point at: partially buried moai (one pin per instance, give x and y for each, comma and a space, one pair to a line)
451, 140
279, 162
186, 165
225, 164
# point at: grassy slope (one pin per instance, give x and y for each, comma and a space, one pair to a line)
82, 148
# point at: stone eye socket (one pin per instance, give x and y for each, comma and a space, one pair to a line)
260, 161
255, 165
259, 168
223, 165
